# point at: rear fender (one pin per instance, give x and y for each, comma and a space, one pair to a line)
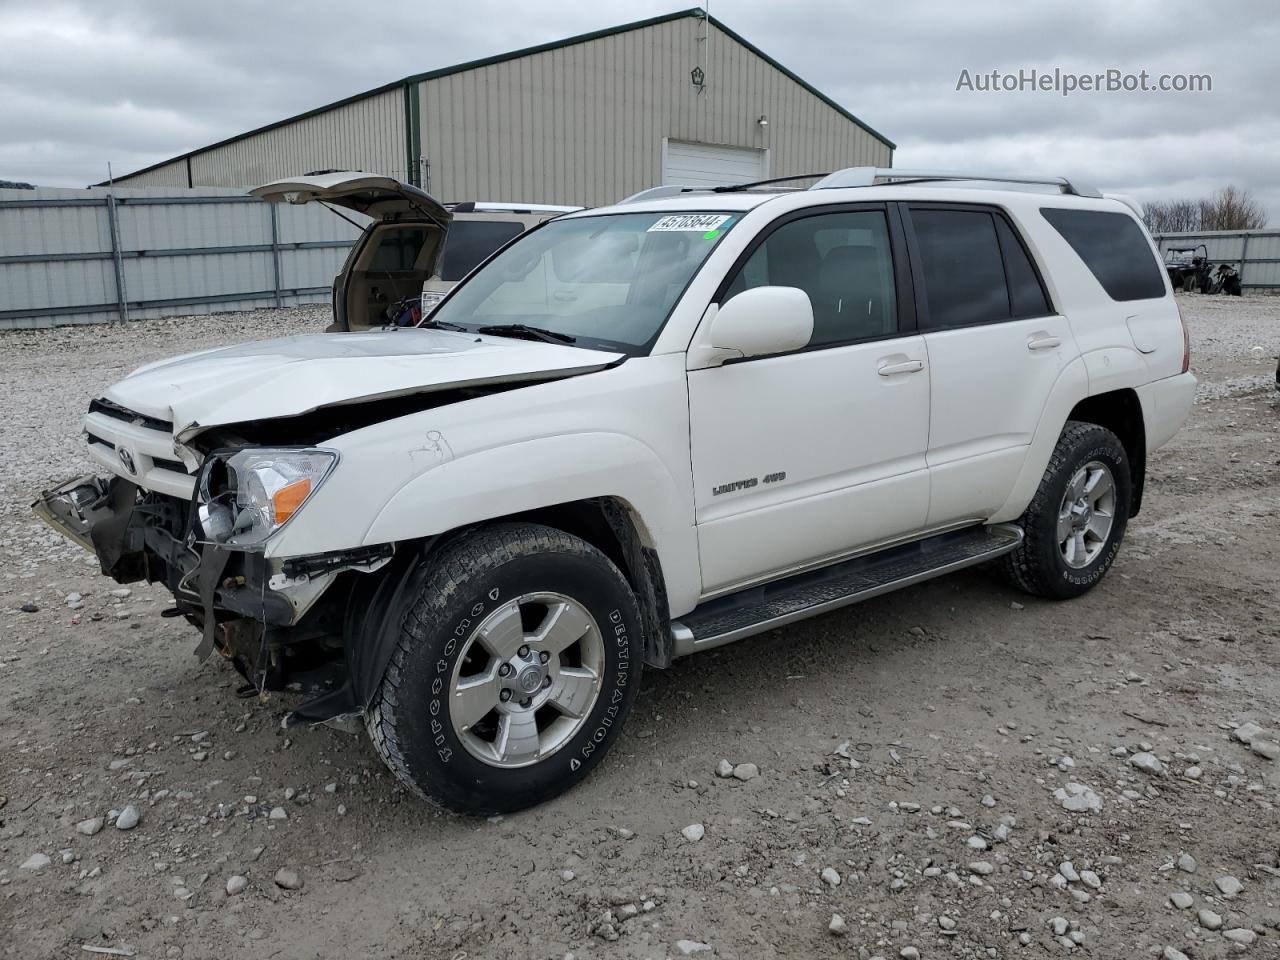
1070, 388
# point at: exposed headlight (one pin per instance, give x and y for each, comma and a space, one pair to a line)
246, 496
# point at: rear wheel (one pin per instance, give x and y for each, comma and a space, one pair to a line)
1076, 520
515, 668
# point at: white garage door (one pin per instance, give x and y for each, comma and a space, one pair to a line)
709, 165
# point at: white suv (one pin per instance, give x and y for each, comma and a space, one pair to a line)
638, 432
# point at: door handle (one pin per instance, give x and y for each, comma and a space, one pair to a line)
1043, 342
906, 366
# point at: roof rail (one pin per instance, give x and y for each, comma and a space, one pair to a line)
666, 190
868, 177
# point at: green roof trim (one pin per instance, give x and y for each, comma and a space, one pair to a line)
406, 82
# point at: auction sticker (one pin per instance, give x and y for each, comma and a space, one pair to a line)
691, 222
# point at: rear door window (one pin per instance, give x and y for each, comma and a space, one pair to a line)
964, 282
1114, 248
1026, 295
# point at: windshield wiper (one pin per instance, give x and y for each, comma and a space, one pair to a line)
430, 324
523, 330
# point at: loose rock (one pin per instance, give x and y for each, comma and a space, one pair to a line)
1187, 863
1209, 920
1181, 899
236, 884
288, 879
37, 861
128, 818
1267, 749
1246, 732
1228, 886
1078, 798
724, 769
746, 771
1147, 763
1241, 935
91, 826
830, 877
837, 926
688, 948
693, 833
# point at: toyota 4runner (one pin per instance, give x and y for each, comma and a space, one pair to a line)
639, 432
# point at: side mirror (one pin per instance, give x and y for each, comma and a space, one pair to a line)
762, 321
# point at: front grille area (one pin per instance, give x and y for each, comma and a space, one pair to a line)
138, 448
109, 409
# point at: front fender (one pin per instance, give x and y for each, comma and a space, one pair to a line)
542, 472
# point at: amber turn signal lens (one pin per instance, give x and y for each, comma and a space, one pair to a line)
288, 499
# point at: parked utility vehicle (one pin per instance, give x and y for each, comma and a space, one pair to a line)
478, 229
414, 248
638, 432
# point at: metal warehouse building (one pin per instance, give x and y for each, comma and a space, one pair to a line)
679, 98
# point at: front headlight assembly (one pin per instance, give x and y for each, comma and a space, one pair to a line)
245, 496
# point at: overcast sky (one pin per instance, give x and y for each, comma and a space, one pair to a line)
84, 82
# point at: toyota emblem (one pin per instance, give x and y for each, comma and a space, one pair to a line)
126, 458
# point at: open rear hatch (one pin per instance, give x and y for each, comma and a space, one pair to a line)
383, 276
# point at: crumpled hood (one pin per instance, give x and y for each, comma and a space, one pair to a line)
294, 375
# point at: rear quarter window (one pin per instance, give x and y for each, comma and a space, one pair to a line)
1114, 248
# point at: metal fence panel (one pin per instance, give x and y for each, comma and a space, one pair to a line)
171, 252
1255, 253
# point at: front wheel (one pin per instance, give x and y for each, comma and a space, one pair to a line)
516, 665
1077, 518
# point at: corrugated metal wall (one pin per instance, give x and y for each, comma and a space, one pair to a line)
1255, 253
584, 124
173, 174
179, 252
367, 134
581, 124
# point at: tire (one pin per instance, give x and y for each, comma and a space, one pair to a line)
1044, 564
497, 599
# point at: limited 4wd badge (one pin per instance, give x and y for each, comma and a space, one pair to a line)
689, 222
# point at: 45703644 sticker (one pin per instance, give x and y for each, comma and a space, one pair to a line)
622, 645
438, 682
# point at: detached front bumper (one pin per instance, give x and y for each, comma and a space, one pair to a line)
275, 619
146, 536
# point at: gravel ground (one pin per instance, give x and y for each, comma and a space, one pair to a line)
953, 770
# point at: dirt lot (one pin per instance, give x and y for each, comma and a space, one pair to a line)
909, 748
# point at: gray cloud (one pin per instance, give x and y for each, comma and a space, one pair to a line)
136, 81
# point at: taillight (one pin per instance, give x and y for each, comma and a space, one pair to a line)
1186, 341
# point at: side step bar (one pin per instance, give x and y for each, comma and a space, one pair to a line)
772, 605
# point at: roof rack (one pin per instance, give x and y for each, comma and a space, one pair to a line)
666, 190
676, 189
868, 177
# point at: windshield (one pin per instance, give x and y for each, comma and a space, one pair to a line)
605, 280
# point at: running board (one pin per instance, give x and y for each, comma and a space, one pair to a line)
772, 605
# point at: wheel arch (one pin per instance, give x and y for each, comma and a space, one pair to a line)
610, 524
1120, 411
616, 528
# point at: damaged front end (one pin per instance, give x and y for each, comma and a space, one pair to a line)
280, 621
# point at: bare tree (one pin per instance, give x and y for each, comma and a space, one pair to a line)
1171, 216
1231, 208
